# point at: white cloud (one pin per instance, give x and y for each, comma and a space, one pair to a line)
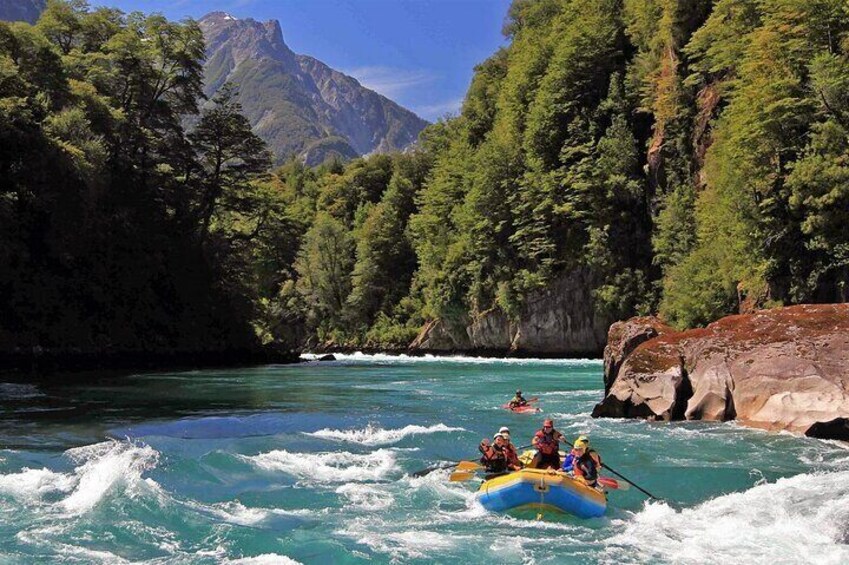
389, 81
433, 112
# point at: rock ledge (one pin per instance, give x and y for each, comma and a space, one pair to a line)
779, 369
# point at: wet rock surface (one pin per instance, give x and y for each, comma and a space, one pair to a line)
779, 369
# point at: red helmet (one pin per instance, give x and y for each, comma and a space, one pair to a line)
548, 422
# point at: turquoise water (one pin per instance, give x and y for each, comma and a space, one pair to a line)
312, 463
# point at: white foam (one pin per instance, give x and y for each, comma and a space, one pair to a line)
234, 512
408, 544
366, 497
106, 465
782, 522
32, 484
264, 559
373, 435
103, 466
437, 482
335, 467
386, 358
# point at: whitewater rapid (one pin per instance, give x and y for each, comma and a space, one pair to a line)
301, 481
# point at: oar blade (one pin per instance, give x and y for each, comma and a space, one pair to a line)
613, 484
458, 476
469, 466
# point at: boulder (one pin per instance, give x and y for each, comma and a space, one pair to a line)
623, 338
328, 357
778, 369
834, 429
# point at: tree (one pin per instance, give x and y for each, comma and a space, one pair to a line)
324, 272
230, 157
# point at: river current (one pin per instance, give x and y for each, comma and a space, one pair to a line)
313, 463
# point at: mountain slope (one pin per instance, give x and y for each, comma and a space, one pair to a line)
297, 104
21, 10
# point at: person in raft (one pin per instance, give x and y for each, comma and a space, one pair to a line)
547, 443
510, 451
518, 400
493, 457
583, 461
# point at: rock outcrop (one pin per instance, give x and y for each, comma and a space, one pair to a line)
297, 104
558, 321
779, 369
623, 338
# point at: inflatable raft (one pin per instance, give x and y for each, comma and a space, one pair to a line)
543, 490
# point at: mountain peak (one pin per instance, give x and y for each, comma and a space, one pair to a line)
297, 104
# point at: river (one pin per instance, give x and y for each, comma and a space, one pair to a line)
313, 463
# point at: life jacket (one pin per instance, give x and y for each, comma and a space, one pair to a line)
586, 466
547, 444
518, 401
511, 456
495, 459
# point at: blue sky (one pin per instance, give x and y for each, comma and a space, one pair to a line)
420, 53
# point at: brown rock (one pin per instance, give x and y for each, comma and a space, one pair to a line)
623, 338
785, 368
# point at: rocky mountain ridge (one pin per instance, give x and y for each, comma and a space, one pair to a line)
296, 103
21, 10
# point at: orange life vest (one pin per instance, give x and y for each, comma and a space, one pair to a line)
547, 444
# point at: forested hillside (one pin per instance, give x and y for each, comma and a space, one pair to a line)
690, 154
685, 157
121, 233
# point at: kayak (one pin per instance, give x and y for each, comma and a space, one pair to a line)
542, 489
526, 409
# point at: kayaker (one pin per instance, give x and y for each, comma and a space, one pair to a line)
494, 458
518, 400
547, 443
510, 452
583, 461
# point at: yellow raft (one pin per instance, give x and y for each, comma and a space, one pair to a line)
542, 489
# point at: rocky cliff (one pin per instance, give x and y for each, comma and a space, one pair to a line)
297, 104
779, 369
558, 321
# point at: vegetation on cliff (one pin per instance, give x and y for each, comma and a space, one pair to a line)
690, 153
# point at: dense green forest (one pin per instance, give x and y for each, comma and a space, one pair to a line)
120, 231
691, 155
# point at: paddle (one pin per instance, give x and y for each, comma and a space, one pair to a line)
613, 484
469, 466
618, 474
457, 476
431, 469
